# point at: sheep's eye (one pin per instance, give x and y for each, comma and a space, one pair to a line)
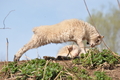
97, 41
88, 43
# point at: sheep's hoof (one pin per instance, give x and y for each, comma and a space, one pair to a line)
63, 58
16, 58
48, 58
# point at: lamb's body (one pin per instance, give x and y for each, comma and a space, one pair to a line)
68, 30
60, 32
69, 51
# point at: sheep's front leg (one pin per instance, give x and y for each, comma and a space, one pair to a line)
21, 52
34, 43
81, 45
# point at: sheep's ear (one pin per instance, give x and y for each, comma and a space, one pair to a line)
100, 36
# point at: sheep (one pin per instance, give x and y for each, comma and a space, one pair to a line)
68, 30
71, 51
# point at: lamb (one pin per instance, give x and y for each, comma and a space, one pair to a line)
69, 30
71, 51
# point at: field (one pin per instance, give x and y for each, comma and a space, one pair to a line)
95, 65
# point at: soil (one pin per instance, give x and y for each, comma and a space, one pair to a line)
114, 73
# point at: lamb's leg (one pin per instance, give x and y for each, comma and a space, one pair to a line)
81, 45
33, 43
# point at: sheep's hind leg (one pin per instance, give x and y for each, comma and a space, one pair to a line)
33, 43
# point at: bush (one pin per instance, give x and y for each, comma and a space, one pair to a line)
38, 69
94, 58
101, 76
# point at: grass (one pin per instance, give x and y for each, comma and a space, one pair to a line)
95, 58
40, 69
101, 76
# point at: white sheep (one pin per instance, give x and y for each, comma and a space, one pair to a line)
71, 51
68, 30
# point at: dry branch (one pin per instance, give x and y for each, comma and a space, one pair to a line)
90, 16
27, 58
7, 49
118, 3
5, 19
45, 69
58, 75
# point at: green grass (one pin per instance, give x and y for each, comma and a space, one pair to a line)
40, 69
101, 76
94, 58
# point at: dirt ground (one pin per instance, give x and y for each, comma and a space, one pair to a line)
114, 73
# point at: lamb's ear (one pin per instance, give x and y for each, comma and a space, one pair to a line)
100, 36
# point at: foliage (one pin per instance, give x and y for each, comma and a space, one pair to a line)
107, 23
101, 76
82, 74
79, 74
38, 68
94, 58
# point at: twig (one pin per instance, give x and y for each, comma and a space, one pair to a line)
5, 19
69, 51
38, 56
28, 58
118, 3
45, 69
73, 76
70, 68
116, 55
90, 15
58, 75
5, 28
7, 50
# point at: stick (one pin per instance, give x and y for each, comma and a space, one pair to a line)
118, 3
45, 69
38, 56
116, 55
5, 19
5, 28
58, 75
28, 58
90, 15
7, 50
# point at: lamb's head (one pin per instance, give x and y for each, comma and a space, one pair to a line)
95, 40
